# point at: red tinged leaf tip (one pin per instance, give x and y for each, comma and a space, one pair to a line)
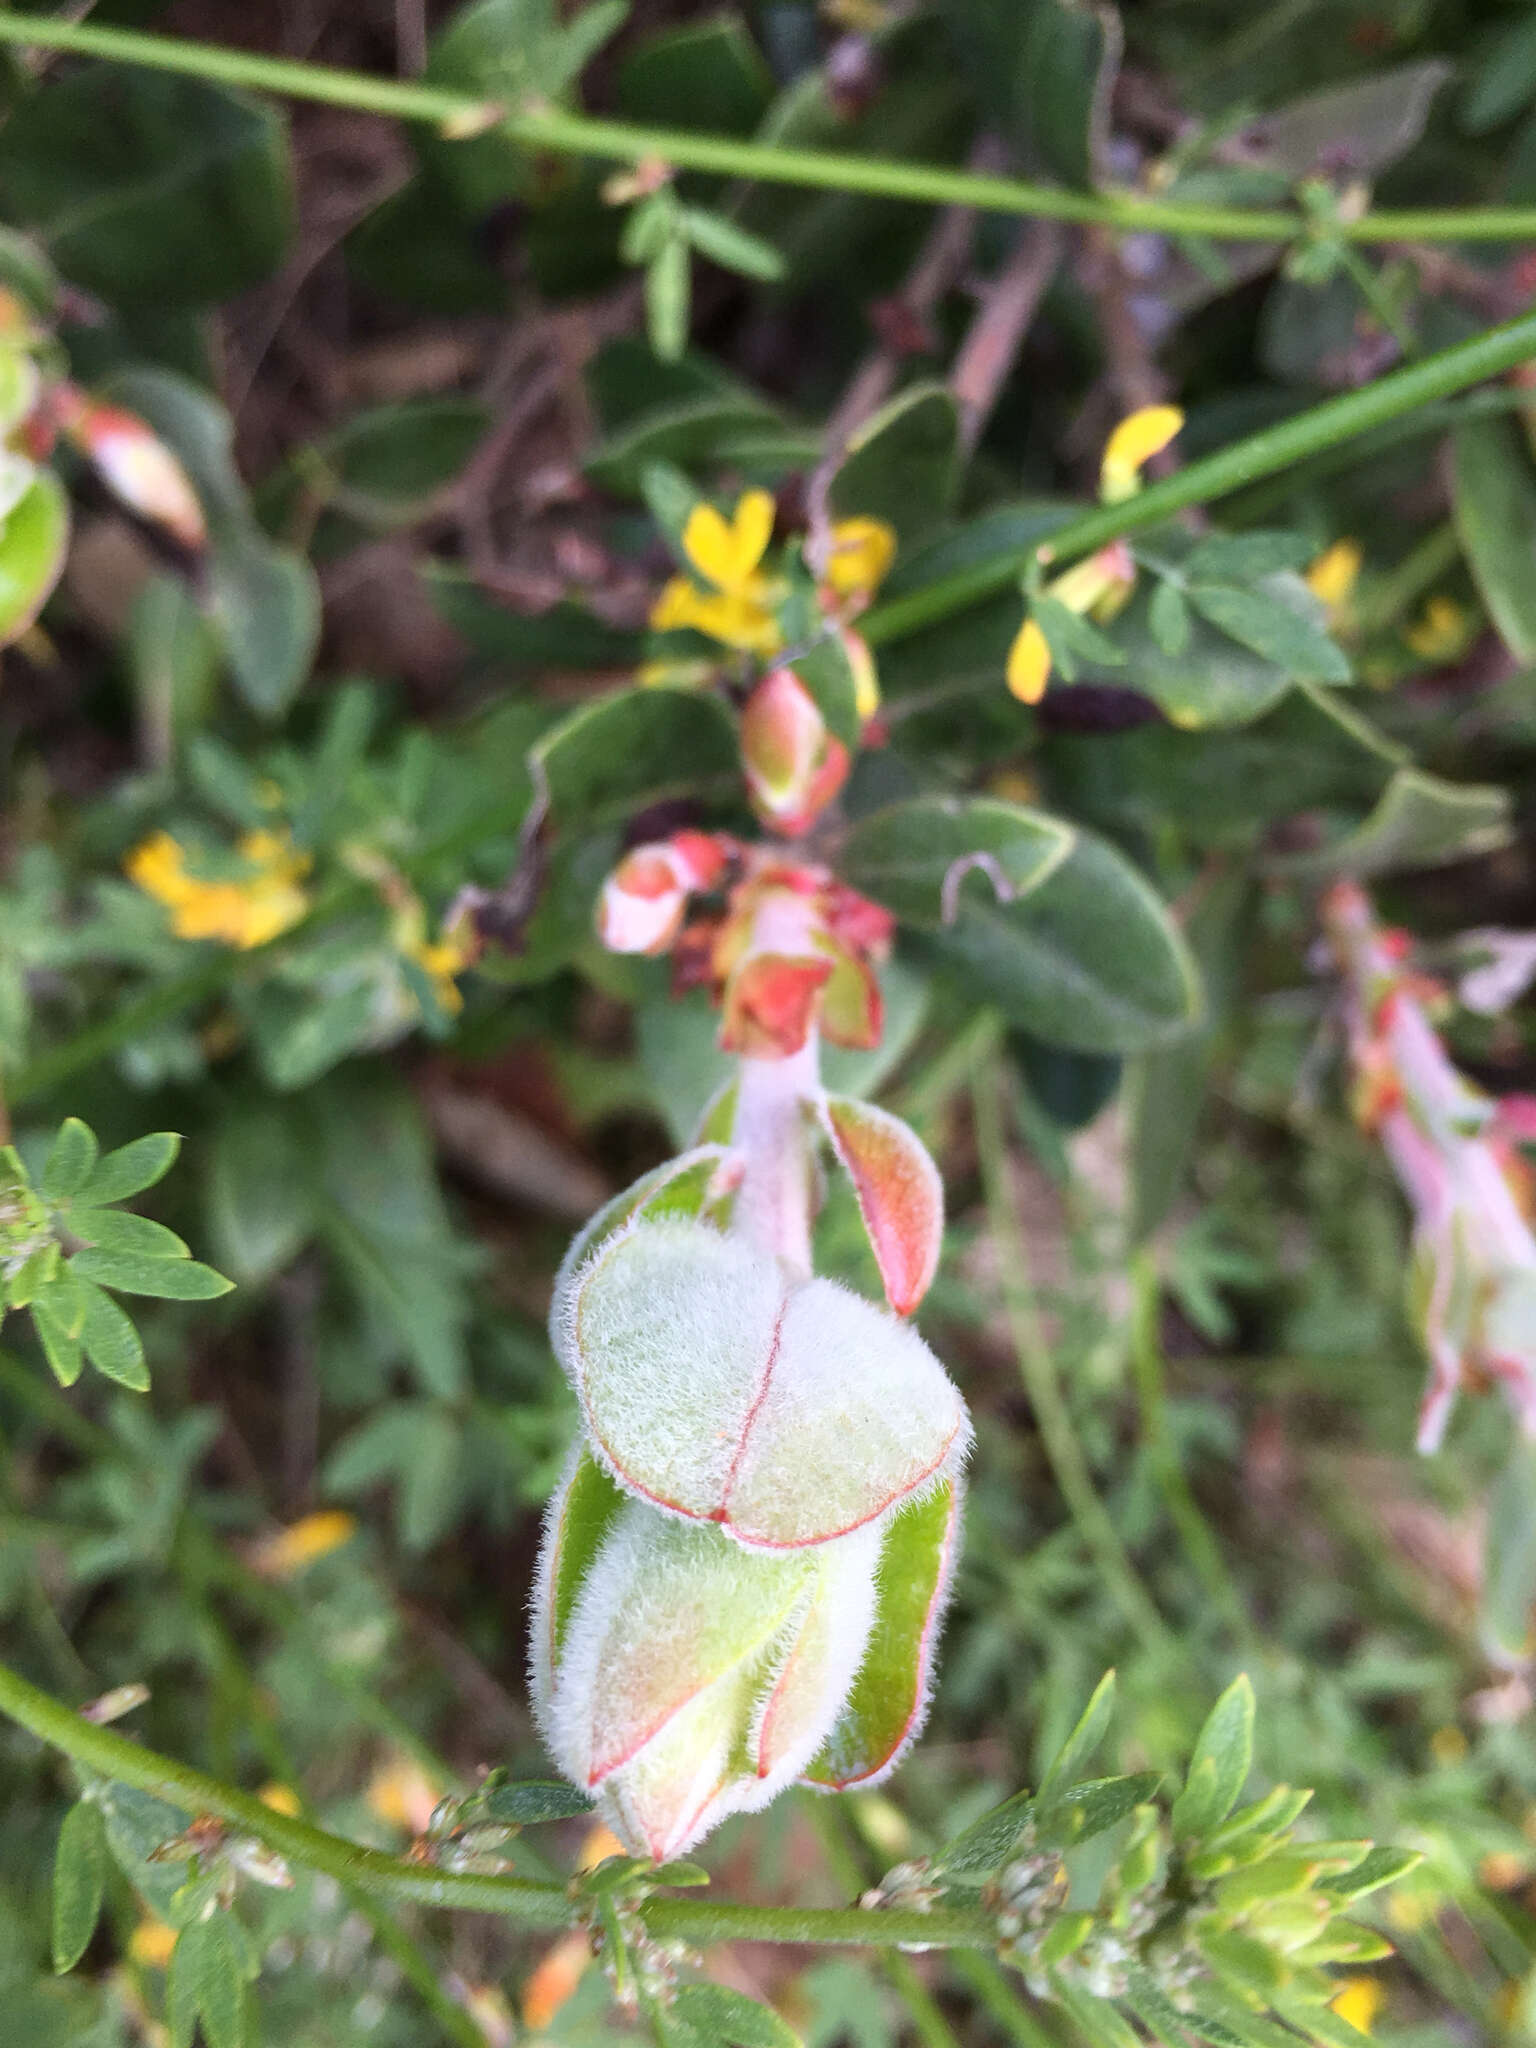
770, 1004
901, 1196
794, 767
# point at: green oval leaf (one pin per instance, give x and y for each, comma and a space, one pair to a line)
1090, 958
32, 547
931, 858
1494, 498
79, 1874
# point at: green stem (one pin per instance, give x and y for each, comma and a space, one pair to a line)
529, 1902
1037, 1368
1194, 1531
1246, 462
932, 2029
544, 127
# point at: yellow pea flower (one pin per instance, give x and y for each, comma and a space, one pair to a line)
441, 960
1097, 588
401, 1793
1332, 577
291, 1550
151, 1943
282, 1799
862, 552
243, 911
1143, 434
1440, 631
1359, 2001
728, 554
1029, 663
735, 621
553, 1980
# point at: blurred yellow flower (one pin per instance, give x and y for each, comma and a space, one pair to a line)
401, 1793
1098, 587
1143, 434
728, 553
598, 1844
291, 1550
151, 1943
1332, 577
282, 1799
1359, 2001
244, 911
441, 960
1441, 630
862, 551
553, 1979
1029, 663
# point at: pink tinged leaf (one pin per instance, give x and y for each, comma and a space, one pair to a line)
852, 1012
819, 1662
715, 1390
854, 1414
770, 1004
135, 465
643, 902
794, 766
901, 1196
889, 1700
688, 1185
674, 1635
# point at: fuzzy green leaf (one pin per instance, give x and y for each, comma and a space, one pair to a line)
1220, 1765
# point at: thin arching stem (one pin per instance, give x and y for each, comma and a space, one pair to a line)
527, 1901
549, 128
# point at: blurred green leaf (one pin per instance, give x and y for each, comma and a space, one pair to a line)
152, 189
1494, 486
79, 1876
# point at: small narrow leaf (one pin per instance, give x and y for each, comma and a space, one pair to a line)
1223, 1757
132, 1168
1077, 1752
111, 1342
62, 1351
533, 1800
168, 1279
70, 1159
79, 1873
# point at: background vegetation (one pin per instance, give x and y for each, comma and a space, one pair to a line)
444, 390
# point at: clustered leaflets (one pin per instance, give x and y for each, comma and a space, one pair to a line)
1472, 1284
745, 1564
64, 1243
39, 406
1208, 1920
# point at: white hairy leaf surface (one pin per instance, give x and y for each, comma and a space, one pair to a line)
690, 1678
715, 1387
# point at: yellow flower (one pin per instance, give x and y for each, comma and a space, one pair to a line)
441, 960
728, 554
245, 911
1098, 587
1332, 577
151, 1943
1144, 434
1029, 663
1359, 2001
1441, 630
282, 1799
401, 1793
862, 551
302, 1543
553, 1980
598, 1844
735, 621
